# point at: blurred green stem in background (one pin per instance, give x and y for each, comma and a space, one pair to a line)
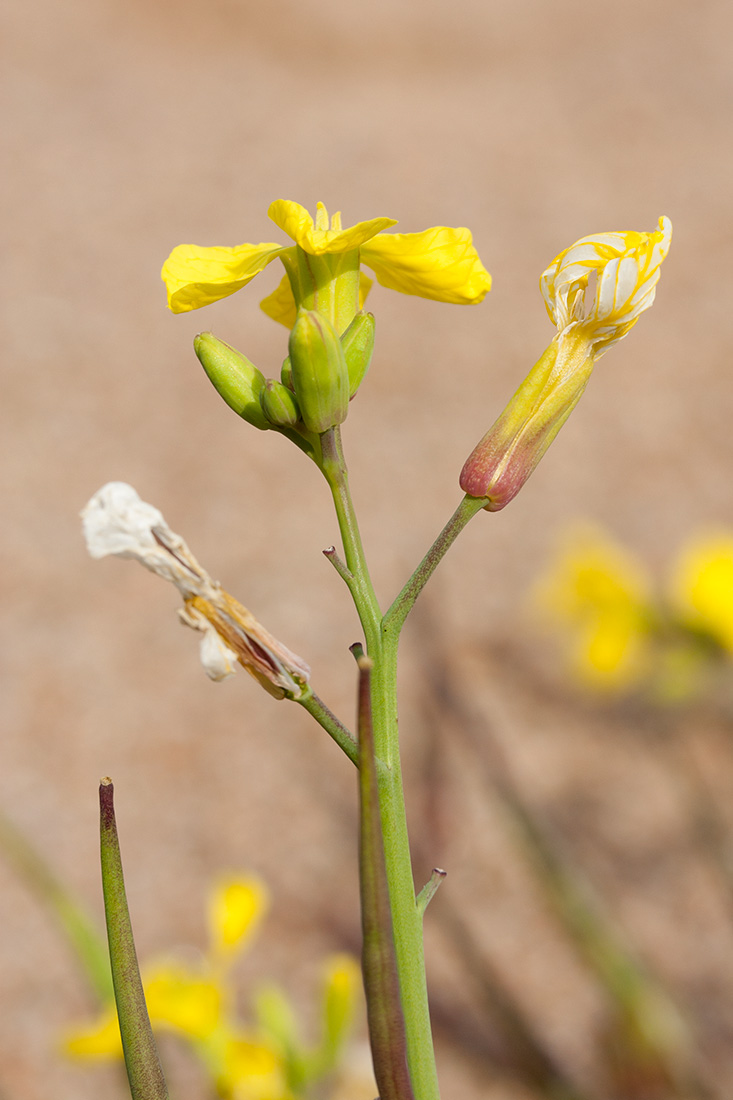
35, 870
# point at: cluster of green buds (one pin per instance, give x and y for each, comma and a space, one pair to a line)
320, 299
321, 374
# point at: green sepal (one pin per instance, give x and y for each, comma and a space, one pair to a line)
358, 345
279, 405
320, 376
237, 380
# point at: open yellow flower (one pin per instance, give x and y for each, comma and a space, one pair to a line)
439, 263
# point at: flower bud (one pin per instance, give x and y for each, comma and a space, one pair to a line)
358, 345
237, 380
286, 375
625, 267
320, 376
279, 405
501, 463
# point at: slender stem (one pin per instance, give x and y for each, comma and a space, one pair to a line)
325, 717
35, 869
405, 601
359, 582
144, 1072
430, 889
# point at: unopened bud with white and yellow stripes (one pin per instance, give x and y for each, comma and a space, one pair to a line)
626, 269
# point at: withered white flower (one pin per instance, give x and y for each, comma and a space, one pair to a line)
116, 521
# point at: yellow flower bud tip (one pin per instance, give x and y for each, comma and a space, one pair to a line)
626, 267
440, 263
116, 521
319, 372
237, 380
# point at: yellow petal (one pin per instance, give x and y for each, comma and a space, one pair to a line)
196, 276
295, 220
184, 1000
439, 263
341, 991
611, 651
236, 907
702, 585
99, 1040
252, 1070
280, 305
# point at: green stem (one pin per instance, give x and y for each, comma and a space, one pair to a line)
359, 581
405, 601
144, 1072
325, 717
382, 649
84, 938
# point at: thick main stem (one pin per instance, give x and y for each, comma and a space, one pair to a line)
406, 918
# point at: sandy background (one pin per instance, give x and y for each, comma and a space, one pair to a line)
129, 128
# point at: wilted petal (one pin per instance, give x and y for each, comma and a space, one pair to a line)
439, 263
116, 521
196, 276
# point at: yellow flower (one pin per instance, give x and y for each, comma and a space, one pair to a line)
702, 586
188, 1001
439, 263
342, 987
235, 908
599, 595
100, 1039
251, 1069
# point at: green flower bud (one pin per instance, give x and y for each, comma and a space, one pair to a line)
286, 375
358, 345
320, 377
234, 377
279, 405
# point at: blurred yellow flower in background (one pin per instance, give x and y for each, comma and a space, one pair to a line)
196, 1001
599, 596
701, 586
